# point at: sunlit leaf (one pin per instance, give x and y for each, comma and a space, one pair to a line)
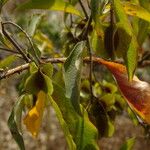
14, 122
6, 62
33, 119
59, 5
108, 99
72, 74
33, 68
128, 145
136, 10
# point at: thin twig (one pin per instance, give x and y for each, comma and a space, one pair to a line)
54, 60
9, 50
91, 70
85, 31
26, 34
14, 43
83, 8
88, 3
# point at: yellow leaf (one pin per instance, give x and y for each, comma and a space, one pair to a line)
34, 117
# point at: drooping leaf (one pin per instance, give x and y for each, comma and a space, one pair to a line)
14, 123
6, 62
81, 129
136, 10
72, 74
136, 92
68, 136
34, 83
38, 81
128, 145
34, 117
127, 41
34, 21
59, 5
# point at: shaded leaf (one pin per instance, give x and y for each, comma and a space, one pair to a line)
82, 130
128, 145
63, 124
14, 123
98, 117
37, 82
72, 74
59, 5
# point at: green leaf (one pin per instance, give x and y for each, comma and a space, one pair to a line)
143, 25
34, 21
136, 10
47, 69
63, 124
82, 130
95, 12
108, 99
59, 5
95, 9
72, 74
8, 61
101, 119
33, 68
48, 84
37, 82
128, 145
128, 44
14, 123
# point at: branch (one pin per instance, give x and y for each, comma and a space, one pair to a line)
83, 8
9, 50
14, 43
27, 36
23, 67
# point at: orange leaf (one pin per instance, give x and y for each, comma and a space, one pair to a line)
135, 92
34, 117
